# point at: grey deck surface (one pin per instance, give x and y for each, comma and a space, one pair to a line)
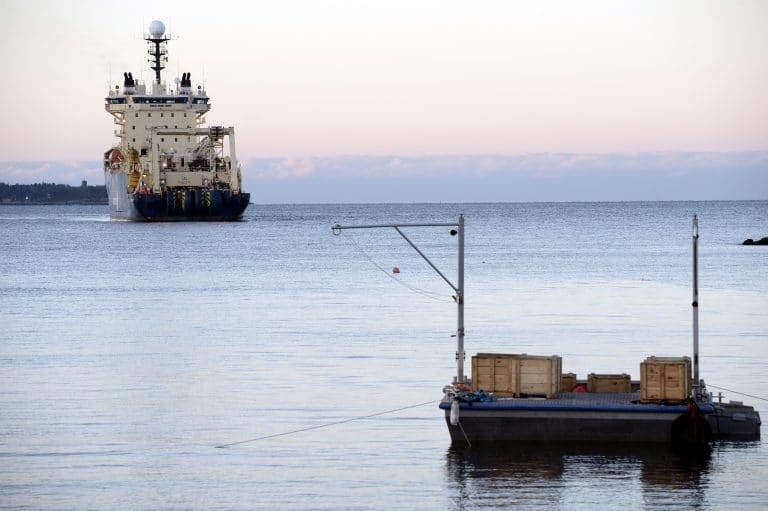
586, 401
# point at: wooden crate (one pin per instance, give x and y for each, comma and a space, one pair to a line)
540, 376
513, 375
611, 383
567, 382
665, 379
495, 372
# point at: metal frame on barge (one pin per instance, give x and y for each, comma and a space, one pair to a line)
474, 416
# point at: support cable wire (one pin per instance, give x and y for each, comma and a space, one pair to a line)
438, 297
327, 424
736, 392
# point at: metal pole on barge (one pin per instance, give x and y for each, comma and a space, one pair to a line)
458, 289
460, 313
695, 304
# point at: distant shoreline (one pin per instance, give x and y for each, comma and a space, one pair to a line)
39, 194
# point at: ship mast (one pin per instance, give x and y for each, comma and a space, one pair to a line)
156, 40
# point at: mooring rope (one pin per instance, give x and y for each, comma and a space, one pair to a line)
736, 392
465, 434
429, 294
327, 424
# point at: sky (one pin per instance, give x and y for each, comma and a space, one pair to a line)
328, 90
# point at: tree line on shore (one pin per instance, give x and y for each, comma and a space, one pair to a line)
51, 193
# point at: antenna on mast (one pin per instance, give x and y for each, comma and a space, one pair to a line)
156, 40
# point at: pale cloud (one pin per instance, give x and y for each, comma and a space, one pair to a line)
456, 178
488, 165
289, 168
485, 167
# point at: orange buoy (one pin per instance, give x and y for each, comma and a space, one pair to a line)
395, 270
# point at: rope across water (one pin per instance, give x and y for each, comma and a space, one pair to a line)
736, 392
327, 424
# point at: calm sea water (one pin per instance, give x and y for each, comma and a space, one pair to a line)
129, 352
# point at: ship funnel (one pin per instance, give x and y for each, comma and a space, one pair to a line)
186, 83
129, 86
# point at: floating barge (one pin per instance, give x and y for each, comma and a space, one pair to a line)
522, 398
595, 418
670, 404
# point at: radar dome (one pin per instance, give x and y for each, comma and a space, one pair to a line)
157, 28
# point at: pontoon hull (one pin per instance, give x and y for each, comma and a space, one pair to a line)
517, 422
594, 418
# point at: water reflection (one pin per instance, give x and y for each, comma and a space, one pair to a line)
546, 475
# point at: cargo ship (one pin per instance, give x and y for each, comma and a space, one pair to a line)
167, 165
527, 398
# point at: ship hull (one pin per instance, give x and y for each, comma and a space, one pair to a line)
191, 205
561, 426
587, 418
599, 418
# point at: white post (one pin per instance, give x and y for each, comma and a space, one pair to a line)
234, 182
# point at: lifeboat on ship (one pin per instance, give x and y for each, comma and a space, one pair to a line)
115, 158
